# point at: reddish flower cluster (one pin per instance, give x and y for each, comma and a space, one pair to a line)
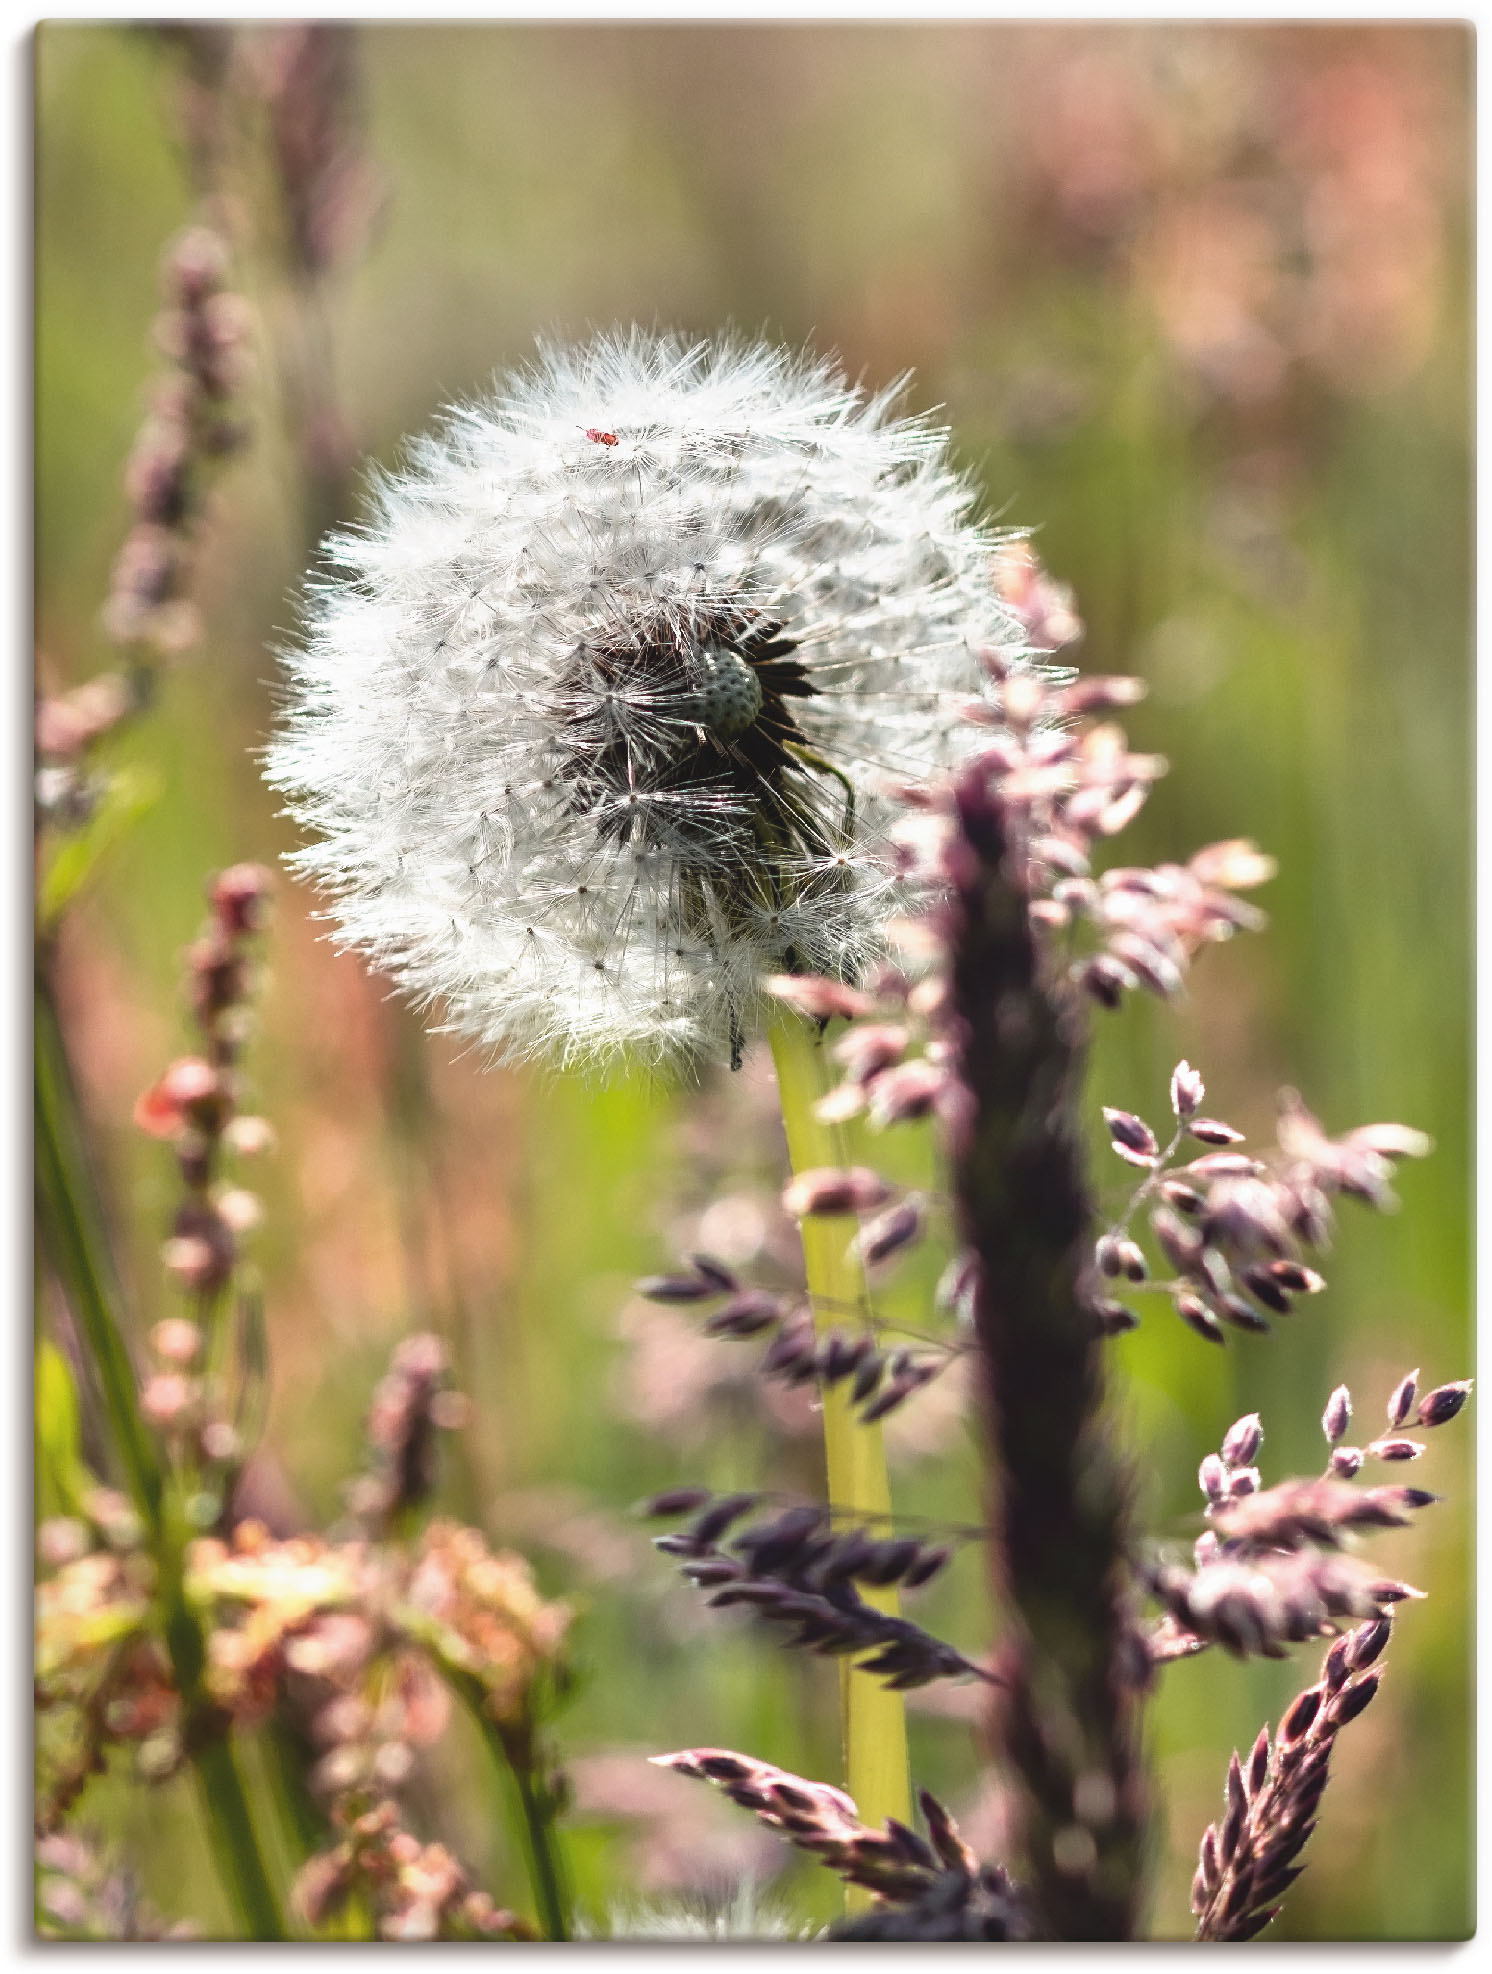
416, 1891
193, 1104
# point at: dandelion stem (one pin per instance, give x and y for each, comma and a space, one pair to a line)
874, 1720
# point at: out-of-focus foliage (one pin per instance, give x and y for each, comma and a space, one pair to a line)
1194, 300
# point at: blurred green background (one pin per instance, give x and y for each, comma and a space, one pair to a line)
1195, 303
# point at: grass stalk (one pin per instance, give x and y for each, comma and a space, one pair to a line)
874, 1720
513, 1755
72, 1229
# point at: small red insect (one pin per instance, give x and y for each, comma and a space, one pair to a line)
601, 438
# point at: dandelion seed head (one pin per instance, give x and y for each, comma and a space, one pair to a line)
593, 717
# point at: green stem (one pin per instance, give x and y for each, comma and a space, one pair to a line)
72, 1228
235, 1841
72, 1233
874, 1720
545, 1867
512, 1752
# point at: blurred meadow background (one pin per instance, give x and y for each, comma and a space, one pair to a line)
1195, 303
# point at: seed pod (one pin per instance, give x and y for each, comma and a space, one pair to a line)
1132, 1137
1212, 1131
889, 1232
1197, 1316
676, 1501
678, 1288
708, 1528
1225, 1165
1114, 1318
1395, 1449
1337, 1416
1258, 1763
830, 1191
890, 1561
927, 1566
1356, 1699
1437, 1406
1301, 1715
1186, 1199
818, 998
913, 1089
1132, 1261
840, 1355
1187, 1090
867, 1378
710, 1270
1104, 980
790, 1349
897, 1391
1268, 1290
745, 1315
1369, 1642
1242, 1315
1242, 1440
1181, 1245
1401, 1402
1294, 1278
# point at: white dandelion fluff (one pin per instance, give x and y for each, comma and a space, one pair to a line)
591, 716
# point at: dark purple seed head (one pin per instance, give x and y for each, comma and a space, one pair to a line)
1368, 1642
676, 1501
1212, 1131
1437, 1406
745, 1315
1338, 1662
1242, 1440
1131, 1136
1258, 1762
1197, 1316
1401, 1401
1132, 1260
1301, 1715
679, 1288
1114, 1318
1357, 1697
1187, 1090
1395, 1449
1295, 1278
927, 1565
707, 1528
710, 1270
1186, 1199
867, 1377
677, 1545
1262, 1284
1337, 1416
1242, 1315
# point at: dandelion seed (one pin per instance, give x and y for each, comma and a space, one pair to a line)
591, 719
